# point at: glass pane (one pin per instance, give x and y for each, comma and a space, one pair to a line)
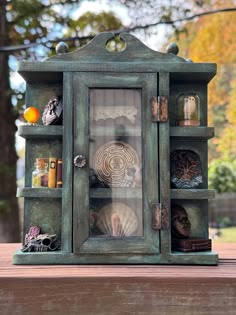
115, 150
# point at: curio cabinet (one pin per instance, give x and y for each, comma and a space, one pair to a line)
116, 165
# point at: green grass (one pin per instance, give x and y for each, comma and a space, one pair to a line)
228, 235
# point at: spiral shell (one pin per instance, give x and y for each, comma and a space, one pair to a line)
117, 219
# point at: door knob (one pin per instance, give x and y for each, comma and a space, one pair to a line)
79, 161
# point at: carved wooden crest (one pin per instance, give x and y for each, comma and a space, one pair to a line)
135, 50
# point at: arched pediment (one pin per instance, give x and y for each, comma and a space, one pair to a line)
135, 51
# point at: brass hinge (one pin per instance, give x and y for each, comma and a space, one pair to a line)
160, 216
159, 108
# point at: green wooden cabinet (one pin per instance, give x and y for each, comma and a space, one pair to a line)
115, 205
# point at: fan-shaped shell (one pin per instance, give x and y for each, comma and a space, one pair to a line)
117, 219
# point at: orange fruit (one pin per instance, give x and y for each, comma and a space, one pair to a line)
31, 115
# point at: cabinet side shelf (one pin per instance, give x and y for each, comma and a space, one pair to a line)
39, 192
37, 132
116, 193
129, 131
192, 194
182, 133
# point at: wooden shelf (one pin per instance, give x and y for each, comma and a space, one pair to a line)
39, 192
193, 133
116, 193
192, 193
129, 131
40, 132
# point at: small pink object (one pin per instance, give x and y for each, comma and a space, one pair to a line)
34, 231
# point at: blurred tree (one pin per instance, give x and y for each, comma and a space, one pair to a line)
213, 40
24, 22
222, 175
9, 217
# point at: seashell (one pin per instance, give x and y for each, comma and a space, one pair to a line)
117, 219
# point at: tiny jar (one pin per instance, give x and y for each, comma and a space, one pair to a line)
188, 110
40, 173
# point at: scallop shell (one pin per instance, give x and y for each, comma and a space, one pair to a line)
117, 219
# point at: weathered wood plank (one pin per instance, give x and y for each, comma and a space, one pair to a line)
102, 131
115, 290
39, 132
181, 72
192, 194
29, 192
197, 133
164, 169
116, 296
67, 171
116, 193
81, 213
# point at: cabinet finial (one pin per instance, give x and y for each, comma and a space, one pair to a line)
172, 48
62, 48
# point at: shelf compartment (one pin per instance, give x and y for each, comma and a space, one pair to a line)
40, 132
182, 133
192, 193
39, 192
126, 193
129, 131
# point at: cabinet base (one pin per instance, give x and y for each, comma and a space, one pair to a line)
62, 258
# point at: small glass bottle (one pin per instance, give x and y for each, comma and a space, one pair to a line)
188, 110
40, 173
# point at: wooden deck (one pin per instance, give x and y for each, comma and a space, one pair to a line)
118, 290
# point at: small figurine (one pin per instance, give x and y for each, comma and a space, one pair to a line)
180, 233
52, 114
180, 224
188, 110
36, 242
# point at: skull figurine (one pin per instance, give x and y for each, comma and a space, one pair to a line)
180, 223
42, 243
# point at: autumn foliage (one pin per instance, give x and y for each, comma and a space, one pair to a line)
213, 39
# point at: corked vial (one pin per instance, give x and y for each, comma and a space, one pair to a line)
40, 173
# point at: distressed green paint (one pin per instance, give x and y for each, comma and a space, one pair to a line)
164, 153
150, 241
209, 258
43, 212
67, 191
40, 132
65, 211
192, 133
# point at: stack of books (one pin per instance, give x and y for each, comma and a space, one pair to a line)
55, 173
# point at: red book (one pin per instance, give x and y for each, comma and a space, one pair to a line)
59, 173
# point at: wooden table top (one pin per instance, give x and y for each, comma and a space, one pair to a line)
225, 269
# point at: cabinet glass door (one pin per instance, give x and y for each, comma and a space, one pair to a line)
115, 163
117, 182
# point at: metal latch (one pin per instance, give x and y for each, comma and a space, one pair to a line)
159, 108
160, 216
